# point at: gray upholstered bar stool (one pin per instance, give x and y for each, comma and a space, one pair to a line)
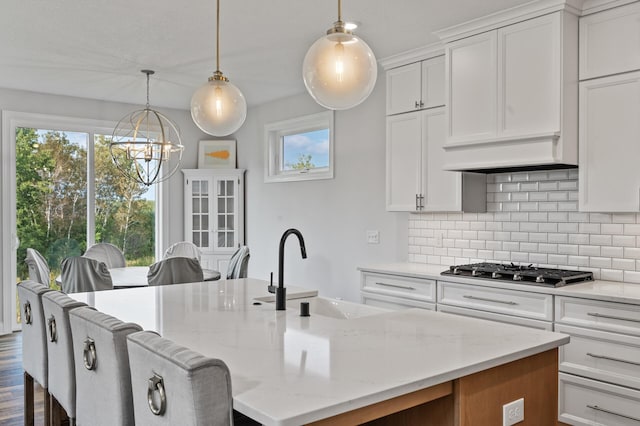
174, 385
34, 346
62, 375
103, 381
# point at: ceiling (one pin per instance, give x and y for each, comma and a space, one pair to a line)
96, 49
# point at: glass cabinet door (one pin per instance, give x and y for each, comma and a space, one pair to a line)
200, 215
226, 213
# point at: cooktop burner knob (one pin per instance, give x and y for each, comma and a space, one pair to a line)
456, 271
539, 279
517, 277
495, 274
475, 272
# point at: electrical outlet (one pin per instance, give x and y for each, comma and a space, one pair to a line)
373, 237
513, 412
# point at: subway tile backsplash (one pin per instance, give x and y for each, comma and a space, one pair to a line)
532, 217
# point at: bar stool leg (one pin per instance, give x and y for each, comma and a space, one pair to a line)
28, 400
47, 407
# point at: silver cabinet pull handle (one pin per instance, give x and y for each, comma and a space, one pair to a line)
417, 104
404, 287
421, 104
595, 407
53, 333
612, 359
489, 300
417, 202
597, 315
89, 354
156, 383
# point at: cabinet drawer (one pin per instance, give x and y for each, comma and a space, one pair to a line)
395, 285
511, 302
588, 402
608, 316
507, 319
396, 303
600, 355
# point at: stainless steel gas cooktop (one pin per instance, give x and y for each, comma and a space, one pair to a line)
523, 274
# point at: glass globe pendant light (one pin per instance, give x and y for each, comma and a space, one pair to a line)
218, 107
340, 69
145, 140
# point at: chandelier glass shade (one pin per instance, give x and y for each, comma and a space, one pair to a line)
339, 69
218, 107
145, 145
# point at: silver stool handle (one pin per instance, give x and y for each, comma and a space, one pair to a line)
89, 354
156, 383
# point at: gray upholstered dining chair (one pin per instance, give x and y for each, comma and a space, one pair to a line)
62, 375
175, 270
81, 273
183, 249
38, 267
174, 385
111, 255
239, 263
103, 380
34, 346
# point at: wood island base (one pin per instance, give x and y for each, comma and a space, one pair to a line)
473, 400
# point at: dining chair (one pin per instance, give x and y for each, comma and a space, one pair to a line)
103, 380
183, 249
239, 263
174, 385
62, 375
38, 267
175, 270
34, 346
111, 255
81, 273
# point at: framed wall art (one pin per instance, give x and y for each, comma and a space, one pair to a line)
217, 154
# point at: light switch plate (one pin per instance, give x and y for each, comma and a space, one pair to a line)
513, 412
373, 237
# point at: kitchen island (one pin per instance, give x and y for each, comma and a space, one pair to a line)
350, 363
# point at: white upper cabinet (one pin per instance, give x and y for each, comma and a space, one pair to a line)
511, 89
415, 178
610, 42
610, 110
415, 86
472, 69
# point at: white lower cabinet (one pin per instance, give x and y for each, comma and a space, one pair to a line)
600, 367
507, 319
536, 306
588, 402
395, 303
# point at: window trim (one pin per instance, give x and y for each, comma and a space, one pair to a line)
273, 133
11, 120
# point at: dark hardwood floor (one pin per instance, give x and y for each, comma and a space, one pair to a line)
11, 384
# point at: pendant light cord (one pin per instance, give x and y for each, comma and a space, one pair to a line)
147, 89
217, 35
339, 10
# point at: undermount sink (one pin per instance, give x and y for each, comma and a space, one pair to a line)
332, 308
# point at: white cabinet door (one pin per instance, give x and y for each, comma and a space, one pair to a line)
610, 41
226, 220
432, 82
403, 88
441, 189
198, 192
471, 71
404, 140
529, 76
609, 149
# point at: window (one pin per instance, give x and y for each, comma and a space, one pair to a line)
300, 148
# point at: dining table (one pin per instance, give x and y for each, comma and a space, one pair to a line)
136, 276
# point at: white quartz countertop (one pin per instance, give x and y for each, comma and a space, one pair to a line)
611, 291
291, 370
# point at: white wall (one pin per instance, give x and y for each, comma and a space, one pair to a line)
333, 215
